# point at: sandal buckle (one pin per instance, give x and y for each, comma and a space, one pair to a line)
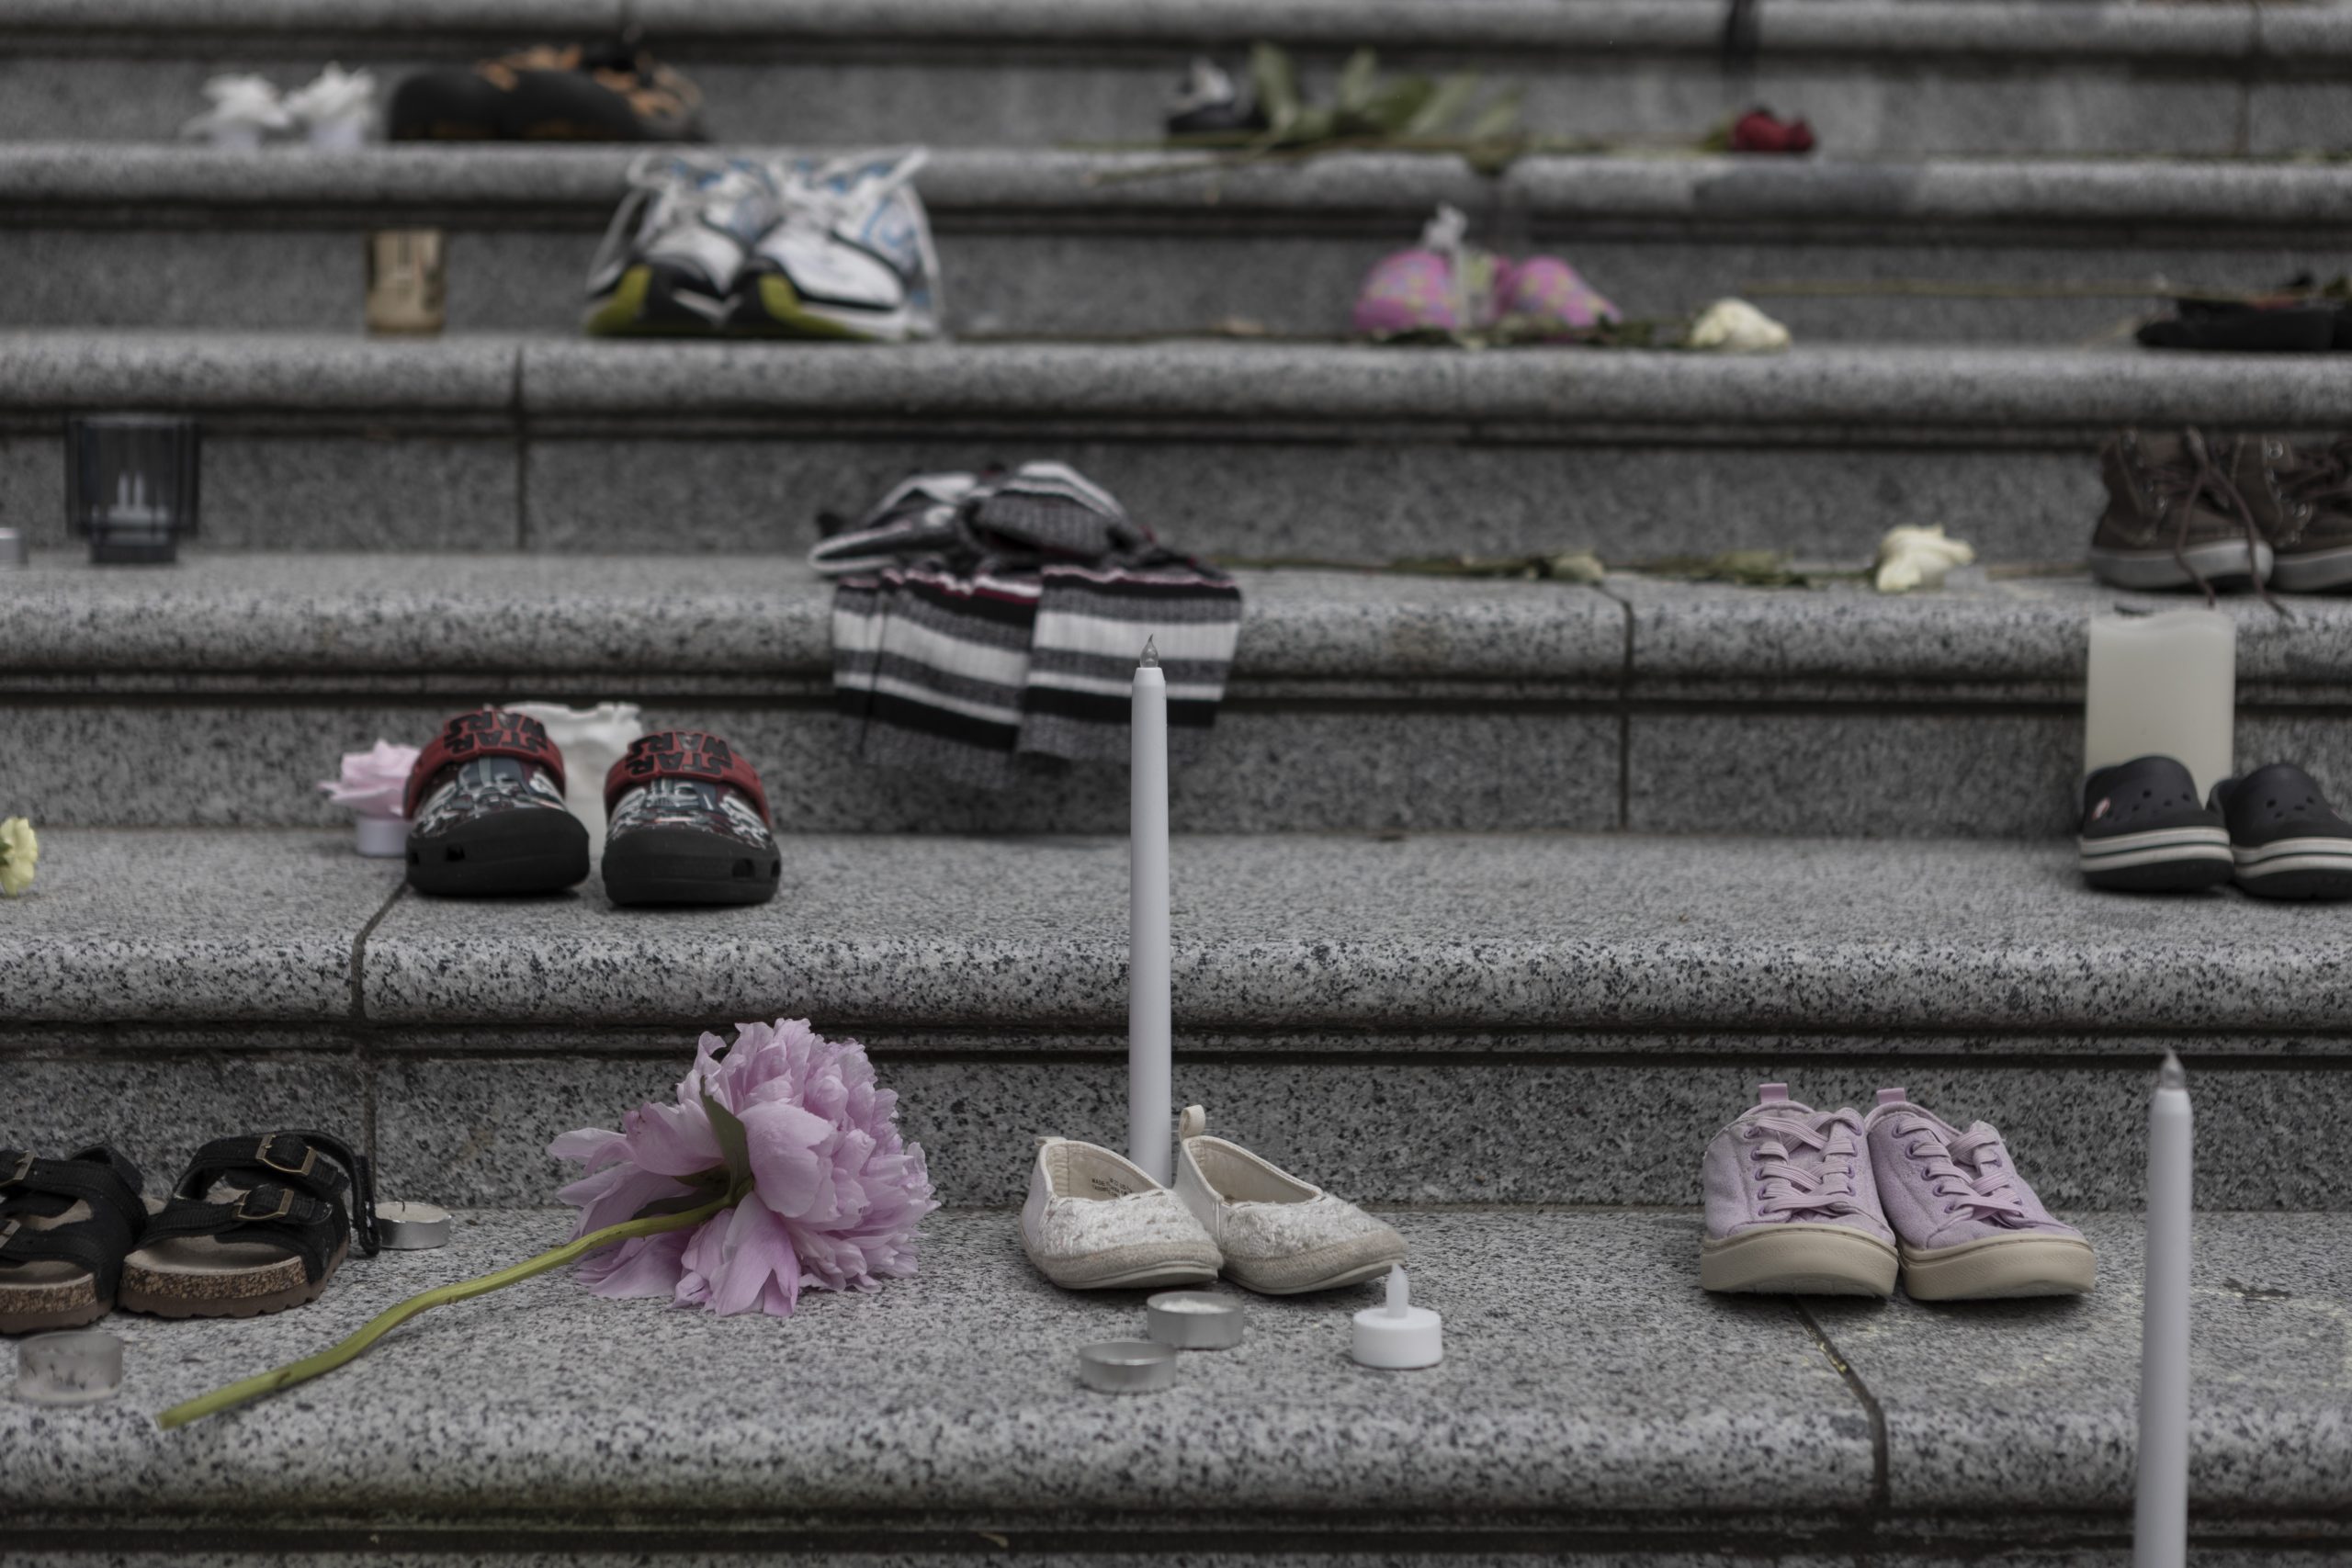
310, 1157
23, 1168
243, 1211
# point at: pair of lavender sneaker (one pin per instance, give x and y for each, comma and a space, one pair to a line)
1806, 1203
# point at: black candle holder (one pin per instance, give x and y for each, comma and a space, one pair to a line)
130, 484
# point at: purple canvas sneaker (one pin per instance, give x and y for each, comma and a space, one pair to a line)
1791, 1204
1971, 1228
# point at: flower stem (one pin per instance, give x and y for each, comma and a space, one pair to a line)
327, 1360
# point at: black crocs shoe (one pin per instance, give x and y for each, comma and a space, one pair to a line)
689, 824
2286, 840
2145, 831
486, 811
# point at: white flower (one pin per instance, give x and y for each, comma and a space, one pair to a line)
19, 852
1917, 558
335, 95
242, 107
1735, 326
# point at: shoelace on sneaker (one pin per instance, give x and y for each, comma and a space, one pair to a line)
675, 186
829, 195
2311, 478
2206, 478
1788, 1188
1954, 1163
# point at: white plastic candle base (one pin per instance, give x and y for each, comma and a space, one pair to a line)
383, 838
1398, 1336
80, 1366
412, 1227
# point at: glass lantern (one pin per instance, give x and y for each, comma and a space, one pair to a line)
130, 484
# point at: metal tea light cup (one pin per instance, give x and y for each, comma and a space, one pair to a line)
1193, 1320
407, 280
130, 484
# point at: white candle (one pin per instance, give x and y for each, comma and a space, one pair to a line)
1150, 1068
2162, 685
2160, 1529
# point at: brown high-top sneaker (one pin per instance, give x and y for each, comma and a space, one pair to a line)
2302, 498
2173, 517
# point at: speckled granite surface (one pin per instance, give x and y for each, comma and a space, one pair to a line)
215, 925
1664, 452
1461, 930
2034, 1403
956, 1392
1585, 1374
1391, 1123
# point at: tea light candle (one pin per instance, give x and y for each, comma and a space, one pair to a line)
1126, 1366
410, 1227
81, 1366
1193, 1320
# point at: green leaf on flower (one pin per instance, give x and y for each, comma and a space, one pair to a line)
1498, 120
734, 1144
1276, 81
1357, 78
1444, 105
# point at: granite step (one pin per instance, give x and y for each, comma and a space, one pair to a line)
558, 444
1075, 245
1591, 1398
217, 692
1419, 1018
1877, 78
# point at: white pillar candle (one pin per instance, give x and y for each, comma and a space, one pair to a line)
2162, 685
2160, 1527
1150, 1067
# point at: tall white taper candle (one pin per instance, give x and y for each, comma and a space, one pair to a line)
1150, 1066
2160, 1529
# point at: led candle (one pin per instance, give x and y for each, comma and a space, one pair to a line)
1150, 1070
2162, 685
2160, 1527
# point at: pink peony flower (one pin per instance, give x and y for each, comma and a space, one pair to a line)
374, 780
834, 1200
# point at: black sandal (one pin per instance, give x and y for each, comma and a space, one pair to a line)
288, 1205
65, 1227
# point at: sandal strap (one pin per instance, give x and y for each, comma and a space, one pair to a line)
32, 1188
315, 1165
310, 1227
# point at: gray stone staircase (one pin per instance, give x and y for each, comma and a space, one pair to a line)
1040, 242
1493, 898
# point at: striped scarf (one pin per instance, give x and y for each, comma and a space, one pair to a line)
988, 623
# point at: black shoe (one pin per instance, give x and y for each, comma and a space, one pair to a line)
614, 93
2144, 832
2286, 840
1206, 103
689, 824
486, 811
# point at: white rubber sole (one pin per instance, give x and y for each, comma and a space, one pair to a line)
2222, 560
2314, 571
1133, 1268
2187, 845
2298, 868
1999, 1268
1799, 1261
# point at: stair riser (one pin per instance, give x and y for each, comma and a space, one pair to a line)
1420, 1128
1917, 770
1880, 105
1120, 279
1369, 490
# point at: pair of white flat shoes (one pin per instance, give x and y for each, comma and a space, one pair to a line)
1095, 1220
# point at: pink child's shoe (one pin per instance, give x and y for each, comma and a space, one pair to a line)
1545, 297
1443, 285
